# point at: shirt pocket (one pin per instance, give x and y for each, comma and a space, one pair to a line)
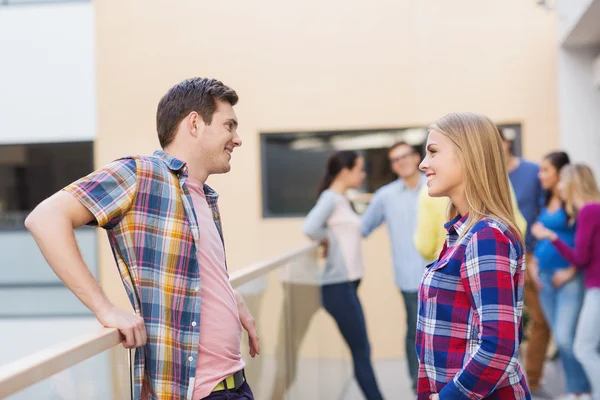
431, 279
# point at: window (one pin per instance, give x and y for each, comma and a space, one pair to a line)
294, 162
29, 174
32, 172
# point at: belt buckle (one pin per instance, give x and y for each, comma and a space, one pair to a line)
239, 378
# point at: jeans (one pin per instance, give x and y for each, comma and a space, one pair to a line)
561, 307
243, 393
587, 338
411, 303
341, 301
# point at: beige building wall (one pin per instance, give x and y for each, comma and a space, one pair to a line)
322, 65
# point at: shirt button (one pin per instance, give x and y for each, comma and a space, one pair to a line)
196, 289
191, 359
193, 323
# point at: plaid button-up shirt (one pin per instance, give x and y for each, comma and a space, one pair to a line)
146, 209
470, 307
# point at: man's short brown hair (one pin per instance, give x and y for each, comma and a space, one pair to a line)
193, 94
401, 143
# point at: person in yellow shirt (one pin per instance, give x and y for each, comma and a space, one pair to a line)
430, 235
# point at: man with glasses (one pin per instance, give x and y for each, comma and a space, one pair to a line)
396, 204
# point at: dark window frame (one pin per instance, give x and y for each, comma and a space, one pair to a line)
265, 136
89, 168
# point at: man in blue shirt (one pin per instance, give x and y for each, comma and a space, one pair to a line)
396, 204
523, 176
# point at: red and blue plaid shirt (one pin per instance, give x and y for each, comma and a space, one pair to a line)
470, 307
146, 209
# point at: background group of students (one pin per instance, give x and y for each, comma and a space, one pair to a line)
557, 208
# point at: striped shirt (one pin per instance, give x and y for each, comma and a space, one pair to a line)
146, 209
470, 307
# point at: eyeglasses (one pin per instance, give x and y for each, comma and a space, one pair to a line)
402, 158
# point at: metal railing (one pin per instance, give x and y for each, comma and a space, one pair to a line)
29, 370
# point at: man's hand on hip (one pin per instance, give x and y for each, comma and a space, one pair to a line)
249, 325
129, 324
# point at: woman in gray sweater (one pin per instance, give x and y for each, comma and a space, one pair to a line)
334, 219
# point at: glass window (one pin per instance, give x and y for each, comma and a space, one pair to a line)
32, 172
294, 162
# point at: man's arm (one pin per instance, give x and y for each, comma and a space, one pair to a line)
248, 323
374, 216
102, 197
53, 224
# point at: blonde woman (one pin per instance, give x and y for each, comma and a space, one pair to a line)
471, 298
582, 197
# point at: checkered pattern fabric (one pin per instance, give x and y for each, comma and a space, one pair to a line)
470, 307
146, 209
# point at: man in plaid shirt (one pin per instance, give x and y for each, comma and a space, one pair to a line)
164, 228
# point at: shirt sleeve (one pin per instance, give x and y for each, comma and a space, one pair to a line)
581, 256
315, 224
488, 278
374, 216
430, 235
107, 193
519, 218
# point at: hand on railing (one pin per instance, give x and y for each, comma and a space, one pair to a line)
130, 325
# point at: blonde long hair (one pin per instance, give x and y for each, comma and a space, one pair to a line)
578, 179
478, 146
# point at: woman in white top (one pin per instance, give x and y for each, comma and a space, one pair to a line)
334, 219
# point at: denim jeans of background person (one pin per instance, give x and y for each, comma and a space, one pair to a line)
561, 300
395, 204
523, 175
579, 190
164, 228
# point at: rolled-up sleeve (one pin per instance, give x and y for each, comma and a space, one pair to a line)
488, 277
107, 193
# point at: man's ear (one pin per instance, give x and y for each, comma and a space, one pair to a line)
195, 124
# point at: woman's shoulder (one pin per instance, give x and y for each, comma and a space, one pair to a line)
590, 209
332, 198
493, 229
329, 195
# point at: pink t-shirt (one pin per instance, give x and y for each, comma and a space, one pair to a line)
220, 327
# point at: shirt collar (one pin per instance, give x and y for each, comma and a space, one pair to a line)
422, 181
457, 224
174, 164
180, 167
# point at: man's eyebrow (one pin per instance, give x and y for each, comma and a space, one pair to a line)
233, 121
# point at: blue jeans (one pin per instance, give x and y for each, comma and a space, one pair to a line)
341, 301
561, 307
587, 338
